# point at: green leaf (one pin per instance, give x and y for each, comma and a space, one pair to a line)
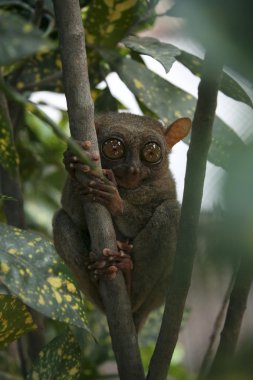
165, 53
109, 21
229, 86
170, 102
19, 39
43, 72
15, 319
31, 269
60, 359
162, 52
8, 155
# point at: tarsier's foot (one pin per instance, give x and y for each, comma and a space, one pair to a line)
111, 262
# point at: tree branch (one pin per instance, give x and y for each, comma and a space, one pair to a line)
186, 246
81, 118
10, 185
235, 313
205, 365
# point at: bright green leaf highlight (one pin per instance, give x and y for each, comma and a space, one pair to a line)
15, 319
60, 359
32, 270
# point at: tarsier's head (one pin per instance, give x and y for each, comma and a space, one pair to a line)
136, 147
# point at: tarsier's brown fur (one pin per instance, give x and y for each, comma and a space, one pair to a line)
150, 208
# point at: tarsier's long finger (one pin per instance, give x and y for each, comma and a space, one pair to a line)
125, 246
99, 264
108, 273
79, 166
85, 192
85, 144
100, 185
99, 194
125, 265
108, 173
110, 253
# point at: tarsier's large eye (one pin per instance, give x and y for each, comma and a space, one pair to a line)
113, 149
152, 152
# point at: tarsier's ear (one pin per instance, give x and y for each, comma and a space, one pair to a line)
177, 131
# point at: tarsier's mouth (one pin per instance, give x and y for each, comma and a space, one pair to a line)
129, 183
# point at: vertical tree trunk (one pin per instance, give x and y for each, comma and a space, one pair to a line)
81, 118
193, 190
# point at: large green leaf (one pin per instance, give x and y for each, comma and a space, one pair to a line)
229, 86
109, 21
8, 155
31, 269
170, 102
19, 39
165, 53
15, 319
60, 359
162, 52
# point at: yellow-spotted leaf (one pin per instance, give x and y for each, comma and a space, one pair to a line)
169, 102
31, 269
15, 319
166, 54
60, 359
8, 155
42, 73
19, 38
108, 21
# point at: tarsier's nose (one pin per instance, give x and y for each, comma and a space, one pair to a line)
134, 170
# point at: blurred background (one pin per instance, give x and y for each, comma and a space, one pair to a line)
194, 26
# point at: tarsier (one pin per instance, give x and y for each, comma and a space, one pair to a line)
141, 197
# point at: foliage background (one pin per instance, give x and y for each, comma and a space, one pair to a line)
30, 62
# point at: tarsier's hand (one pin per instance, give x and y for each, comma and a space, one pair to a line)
111, 262
73, 164
97, 189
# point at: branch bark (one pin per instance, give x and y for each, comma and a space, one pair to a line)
205, 365
81, 119
235, 313
10, 183
193, 190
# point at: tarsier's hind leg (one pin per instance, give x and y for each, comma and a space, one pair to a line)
153, 302
72, 245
